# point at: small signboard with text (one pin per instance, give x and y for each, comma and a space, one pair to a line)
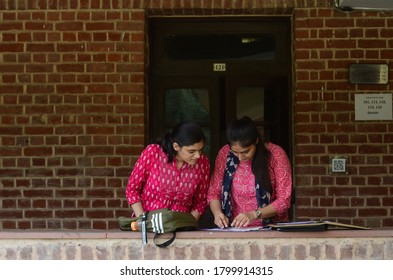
372, 106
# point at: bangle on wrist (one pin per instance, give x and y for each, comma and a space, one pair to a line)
259, 213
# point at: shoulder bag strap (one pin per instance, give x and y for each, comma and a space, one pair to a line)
166, 243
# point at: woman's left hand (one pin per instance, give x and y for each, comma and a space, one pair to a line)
196, 215
243, 219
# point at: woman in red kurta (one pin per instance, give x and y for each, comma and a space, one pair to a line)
173, 173
259, 186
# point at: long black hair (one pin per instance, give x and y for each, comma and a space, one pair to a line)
244, 132
184, 134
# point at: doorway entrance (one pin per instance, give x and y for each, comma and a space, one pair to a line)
213, 70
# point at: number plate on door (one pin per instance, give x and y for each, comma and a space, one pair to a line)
219, 67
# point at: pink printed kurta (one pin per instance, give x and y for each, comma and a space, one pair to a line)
158, 184
243, 187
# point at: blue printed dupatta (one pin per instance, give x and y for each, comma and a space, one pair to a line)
262, 196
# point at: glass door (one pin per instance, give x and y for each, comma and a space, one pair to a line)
213, 70
265, 99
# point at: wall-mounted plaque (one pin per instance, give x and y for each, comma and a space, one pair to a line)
373, 106
372, 74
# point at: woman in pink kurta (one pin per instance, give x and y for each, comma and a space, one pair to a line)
245, 143
173, 174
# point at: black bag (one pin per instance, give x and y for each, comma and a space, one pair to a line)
159, 222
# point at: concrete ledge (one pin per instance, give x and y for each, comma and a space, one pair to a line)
116, 234
198, 245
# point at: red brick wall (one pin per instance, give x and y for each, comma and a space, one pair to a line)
72, 108
72, 111
326, 41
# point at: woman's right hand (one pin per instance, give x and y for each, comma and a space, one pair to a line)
221, 220
137, 209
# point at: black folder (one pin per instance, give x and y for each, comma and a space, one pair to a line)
312, 226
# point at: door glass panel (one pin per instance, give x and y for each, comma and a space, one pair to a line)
250, 102
220, 46
188, 104
207, 147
